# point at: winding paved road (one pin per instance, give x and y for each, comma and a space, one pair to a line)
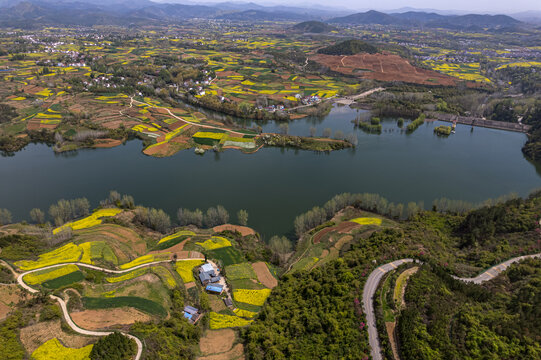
63, 305
375, 276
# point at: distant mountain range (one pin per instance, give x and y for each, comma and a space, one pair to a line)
432, 20
32, 13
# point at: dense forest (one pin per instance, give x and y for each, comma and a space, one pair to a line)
318, 313
448, 319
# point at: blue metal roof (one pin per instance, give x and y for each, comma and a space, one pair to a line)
215, 288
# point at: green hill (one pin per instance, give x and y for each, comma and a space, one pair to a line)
316, 27
349, 47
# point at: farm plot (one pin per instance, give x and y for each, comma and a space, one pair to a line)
185, 269
240, 271
252, 297
221, 321
53, 349
89, 221
138, 303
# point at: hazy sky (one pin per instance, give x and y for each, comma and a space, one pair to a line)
480, 6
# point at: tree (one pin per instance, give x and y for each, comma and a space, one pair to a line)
280, 245
284, 128
5, 216
312, 131
37, 215
242, 217
113, 347
327, 132
338, 135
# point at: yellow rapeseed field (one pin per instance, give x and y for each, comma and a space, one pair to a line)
184, 269
177, 234
128, 276
89, 221
215, 242
53, 350
220, 321
253, 297
42, 276
367, 221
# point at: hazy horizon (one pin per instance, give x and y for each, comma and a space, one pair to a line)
479, 6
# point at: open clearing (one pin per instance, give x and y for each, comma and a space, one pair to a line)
236, 353
34, 335
217, 341
10, 295
108, 318
383, 67
263, 275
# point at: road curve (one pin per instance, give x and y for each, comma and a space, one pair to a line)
64, 307
375, 276
368, 303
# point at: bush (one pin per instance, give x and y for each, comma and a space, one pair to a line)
113, 347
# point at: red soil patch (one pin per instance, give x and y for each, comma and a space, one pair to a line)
107, 143
243, 230
346, 227
189, 285
107, 318
321, 233
33, 124
264, 276
217, 341
383, 67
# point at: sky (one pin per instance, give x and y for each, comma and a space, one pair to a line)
479, 6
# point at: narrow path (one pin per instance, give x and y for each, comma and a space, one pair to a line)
375, 276
64, 307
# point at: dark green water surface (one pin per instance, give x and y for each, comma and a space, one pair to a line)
275, 185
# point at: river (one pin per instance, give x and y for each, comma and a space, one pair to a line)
275, 185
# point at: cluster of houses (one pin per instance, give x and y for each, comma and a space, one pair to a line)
210, 279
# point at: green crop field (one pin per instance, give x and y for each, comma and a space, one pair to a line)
145, 305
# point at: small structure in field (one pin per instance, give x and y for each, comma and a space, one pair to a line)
228, 302
192, 314
215, 288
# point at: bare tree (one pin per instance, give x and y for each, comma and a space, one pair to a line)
5, 216
339, 135
312, 131
327, 132
284, 128
37, 215
242, 217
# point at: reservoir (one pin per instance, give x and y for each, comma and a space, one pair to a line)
275, 184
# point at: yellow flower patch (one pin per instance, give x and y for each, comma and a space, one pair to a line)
177, 234
215, 242
53, 349
165, 275
67, 253
39, 277
185, 269
220, 321
140, 260
19, 98
367, 221
253, 297
208, 135
127, 276
89, 221
244, 313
